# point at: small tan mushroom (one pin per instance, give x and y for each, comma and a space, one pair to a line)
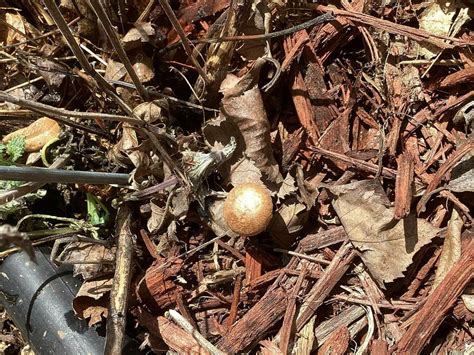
248, 209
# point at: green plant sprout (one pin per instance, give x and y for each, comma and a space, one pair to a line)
12, 151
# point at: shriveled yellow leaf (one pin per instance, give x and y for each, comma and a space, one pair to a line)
36, 134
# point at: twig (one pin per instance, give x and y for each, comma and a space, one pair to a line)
185, 41
117, 317
59, 113
302, 256
66, 32
183, 323
112, 35
359, 164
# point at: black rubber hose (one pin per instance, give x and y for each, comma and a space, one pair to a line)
38, 297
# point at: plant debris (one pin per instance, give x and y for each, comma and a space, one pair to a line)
355, 119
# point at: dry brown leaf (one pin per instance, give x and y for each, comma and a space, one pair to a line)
215, 221
248, 113
143, 66
124, 151
8, 35
115, 70
87, 25
153, 111
83, 252
288, 187
50, 70
244, 171
438, 19
92, 299
451, 248
287, 221
387, 246
37, 134
139, 34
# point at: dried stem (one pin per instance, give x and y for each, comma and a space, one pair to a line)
114, 39
116, 319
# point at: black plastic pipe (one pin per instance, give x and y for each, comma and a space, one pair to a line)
38, 297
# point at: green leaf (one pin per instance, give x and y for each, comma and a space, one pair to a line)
15, 148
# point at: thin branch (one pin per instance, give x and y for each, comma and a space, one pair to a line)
177, 26
66, 32
114, 39
117, 317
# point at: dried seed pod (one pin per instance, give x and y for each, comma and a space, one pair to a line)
248, 209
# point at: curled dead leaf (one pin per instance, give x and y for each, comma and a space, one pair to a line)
139, 34
92, 300
82, 253
451, 248
37, 134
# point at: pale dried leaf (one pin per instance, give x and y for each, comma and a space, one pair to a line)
159, 216
215, 219
95, 314
287, 222
139, 34
451, 248
153, 111
115, 70
143, 66
468, 297
288, 187
37, 134
7, 35
244, 171
248, 113
84, 252
387, 246
437, 18
463, 175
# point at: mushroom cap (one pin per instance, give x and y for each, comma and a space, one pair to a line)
248, 209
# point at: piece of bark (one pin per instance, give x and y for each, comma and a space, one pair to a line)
253, 265
337, 342
442, 171
460, 77
320, 291
404, 185
175, 337
254, 324
345, 318
379, 347
287, 329
358, 164
428, 319
235, 302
